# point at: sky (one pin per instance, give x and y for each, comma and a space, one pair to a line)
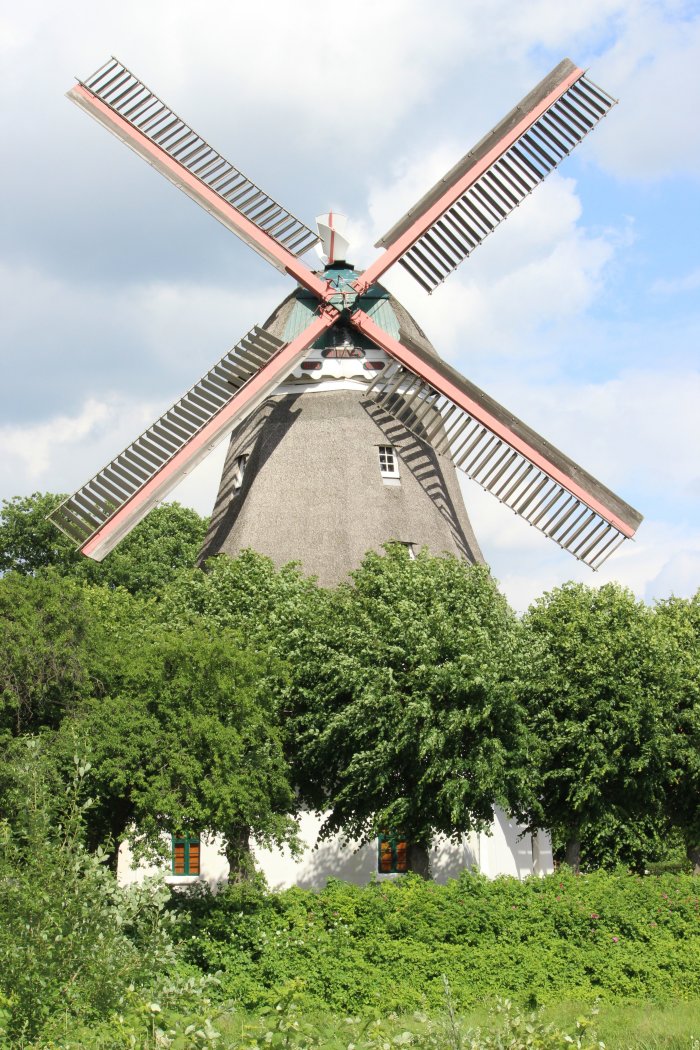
581, 313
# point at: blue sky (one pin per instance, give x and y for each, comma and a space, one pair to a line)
580, 314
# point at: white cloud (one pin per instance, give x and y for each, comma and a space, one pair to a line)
541, 269
652, 66
639, 431
679, 576
62, 453
690, 282
664, 557
151, 338
320, 66
401, 89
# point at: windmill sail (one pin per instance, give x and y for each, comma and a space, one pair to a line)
493, 178
499, 451
130, 110
105, 509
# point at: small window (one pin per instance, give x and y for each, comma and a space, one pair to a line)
186, 856
388, 462
392, 855
238, 471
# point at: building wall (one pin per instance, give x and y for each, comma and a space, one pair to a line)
502, 852
312, 490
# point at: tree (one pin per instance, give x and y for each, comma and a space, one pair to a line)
182, 738
43, 671
28, 540
678, 621
405, 715
73, 945
246, 593
165, 542
595, 705
175, 717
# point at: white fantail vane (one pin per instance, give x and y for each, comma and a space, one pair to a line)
331, 229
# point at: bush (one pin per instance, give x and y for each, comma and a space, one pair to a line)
74, 946
615, 937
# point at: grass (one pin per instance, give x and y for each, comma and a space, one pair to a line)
663, 1025
642, 1026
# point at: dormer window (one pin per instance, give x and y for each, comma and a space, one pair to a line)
388, 463
238, 471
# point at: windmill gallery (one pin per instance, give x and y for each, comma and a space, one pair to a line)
346, 427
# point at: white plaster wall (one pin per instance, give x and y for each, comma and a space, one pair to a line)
213, 866
506, 851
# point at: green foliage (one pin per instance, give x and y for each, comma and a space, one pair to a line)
185, 740
405, 710
42, 674
73, 944
596, 704
288, 1026
168, 540
678, 623
245, 594
28, 540
613, 937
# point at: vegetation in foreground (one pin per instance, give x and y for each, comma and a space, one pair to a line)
412, 699
87, 963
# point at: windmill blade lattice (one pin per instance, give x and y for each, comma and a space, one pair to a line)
497, 450
488, 195
495, 465
84, 513
119, 89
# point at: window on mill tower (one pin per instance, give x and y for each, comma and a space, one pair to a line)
238, 471
388, 464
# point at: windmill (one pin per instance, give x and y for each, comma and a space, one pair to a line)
298, 470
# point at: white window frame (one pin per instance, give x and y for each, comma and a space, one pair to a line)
238, 471
388, 464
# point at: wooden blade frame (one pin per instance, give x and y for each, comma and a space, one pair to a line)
495, 448
499, 451
119, 496
116, 98
492, 179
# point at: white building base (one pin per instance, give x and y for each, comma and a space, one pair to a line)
504, 851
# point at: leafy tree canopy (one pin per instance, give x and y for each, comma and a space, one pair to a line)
45, 622
184, 739
246, 593
405, 713
168, 540
596, 704
678, 623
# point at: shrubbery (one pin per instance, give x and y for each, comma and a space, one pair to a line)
74, 946
613, 937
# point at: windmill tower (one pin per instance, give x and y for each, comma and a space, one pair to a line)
346, 426
319, 473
